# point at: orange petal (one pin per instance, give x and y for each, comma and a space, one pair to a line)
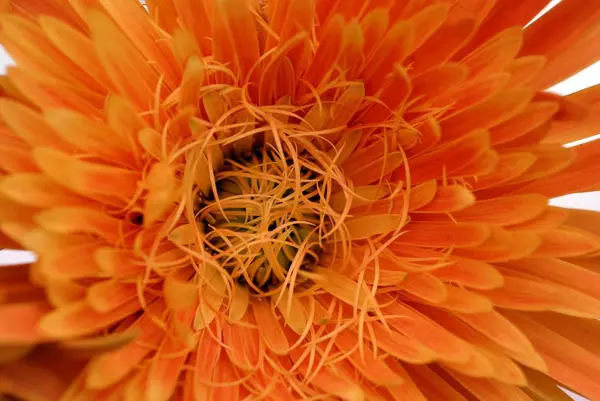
194, 16
451, 198
504, 369
17, 160
541, 385
506, 210
225, 374
422, 194
243, 345
437, 81
89, 347
485, 164
393, 49
125, 122
270, 329
180, 290
80, 319
416, 326
372, 225
582, 332
65, 220
400, 346
327, 52
63, 11
39, 191
117, 262
293, 312
168, 361
134, 21
208, 352
89, 136
524, 292
17, 381
534, 116
432, 384
491, 389
474, 92
330, 381
110, 294
233, 37
579, 177
240, 300
353, 44
509, 167
470, 273
561, 272
418, 197
29, 125
498, 329
524, 69
122, 61
550, 159
503, 246
430, 135
78, 48
567, 362
505, 14
409, 389
438, 235
488, 114
552, 218
461, 300
19, 35
424, 286
586, 220
362, 196
449, 158
477, 366
19, 323
46, 93
564, 243
495, 54
427, 21
373, 369
346, 105
161, 184
374, 25
345, 289
573, 129
568, 52
444, 43
64, 292
70, 262
85, 178
377, 170
392, 97
212, 294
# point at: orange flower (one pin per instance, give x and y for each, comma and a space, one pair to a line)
288, 199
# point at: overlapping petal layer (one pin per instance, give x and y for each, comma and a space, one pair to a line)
287, 199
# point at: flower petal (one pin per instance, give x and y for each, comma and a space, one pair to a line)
449, 158
80, 319
502, 211
19, 323
400, 346
86, 178
438, 235
270, 329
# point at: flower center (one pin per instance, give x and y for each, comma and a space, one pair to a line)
266, 218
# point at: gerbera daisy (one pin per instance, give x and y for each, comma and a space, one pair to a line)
290, 199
